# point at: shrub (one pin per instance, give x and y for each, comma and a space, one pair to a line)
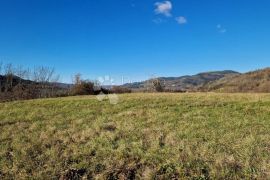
83, 88
157, 85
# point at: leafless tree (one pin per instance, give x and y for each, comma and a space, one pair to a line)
44, 75
77, 79
54, 81
9, 69
46, 78
9, 73
1, 65
16, 83
27, 75
21, 73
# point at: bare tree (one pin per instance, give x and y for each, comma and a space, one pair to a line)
16, 83
54, 82
77, 79
21, 73
1, 65
27, 75
46, 78
9, 73
9, 69
44, 75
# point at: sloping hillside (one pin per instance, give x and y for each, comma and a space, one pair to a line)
185, 83
256, 81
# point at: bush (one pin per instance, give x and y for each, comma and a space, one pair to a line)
22, 91
83, 88
157, 85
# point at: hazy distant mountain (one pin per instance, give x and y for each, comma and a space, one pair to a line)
63, 85
216, 81
185, 83
255, 81
16, 80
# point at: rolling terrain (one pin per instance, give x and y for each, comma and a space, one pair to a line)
146, 136
184, 83
257, 81
254, 81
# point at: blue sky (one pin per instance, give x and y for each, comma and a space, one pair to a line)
135, 38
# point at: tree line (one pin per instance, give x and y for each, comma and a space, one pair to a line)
18, 82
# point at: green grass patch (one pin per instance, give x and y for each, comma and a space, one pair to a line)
144, 136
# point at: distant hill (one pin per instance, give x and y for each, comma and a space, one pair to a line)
255, 81
17, 80
185, 83
14, 81
15, 88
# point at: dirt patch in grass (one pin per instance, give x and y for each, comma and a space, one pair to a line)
109, 127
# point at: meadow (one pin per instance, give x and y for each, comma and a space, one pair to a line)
144, 136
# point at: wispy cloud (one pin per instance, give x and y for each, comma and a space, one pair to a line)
181, 20
164, 8
221, 29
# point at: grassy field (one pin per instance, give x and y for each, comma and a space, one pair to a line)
144, 136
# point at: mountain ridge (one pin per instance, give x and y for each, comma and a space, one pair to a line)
252, 81
184, 83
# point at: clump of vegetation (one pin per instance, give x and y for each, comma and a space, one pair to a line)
82, 87
145, 136
157, 85
154, 85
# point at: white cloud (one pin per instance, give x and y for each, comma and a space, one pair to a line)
181, 20
164, 8
221, 29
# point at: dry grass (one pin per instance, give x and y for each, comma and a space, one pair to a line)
145, 136
255, 81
